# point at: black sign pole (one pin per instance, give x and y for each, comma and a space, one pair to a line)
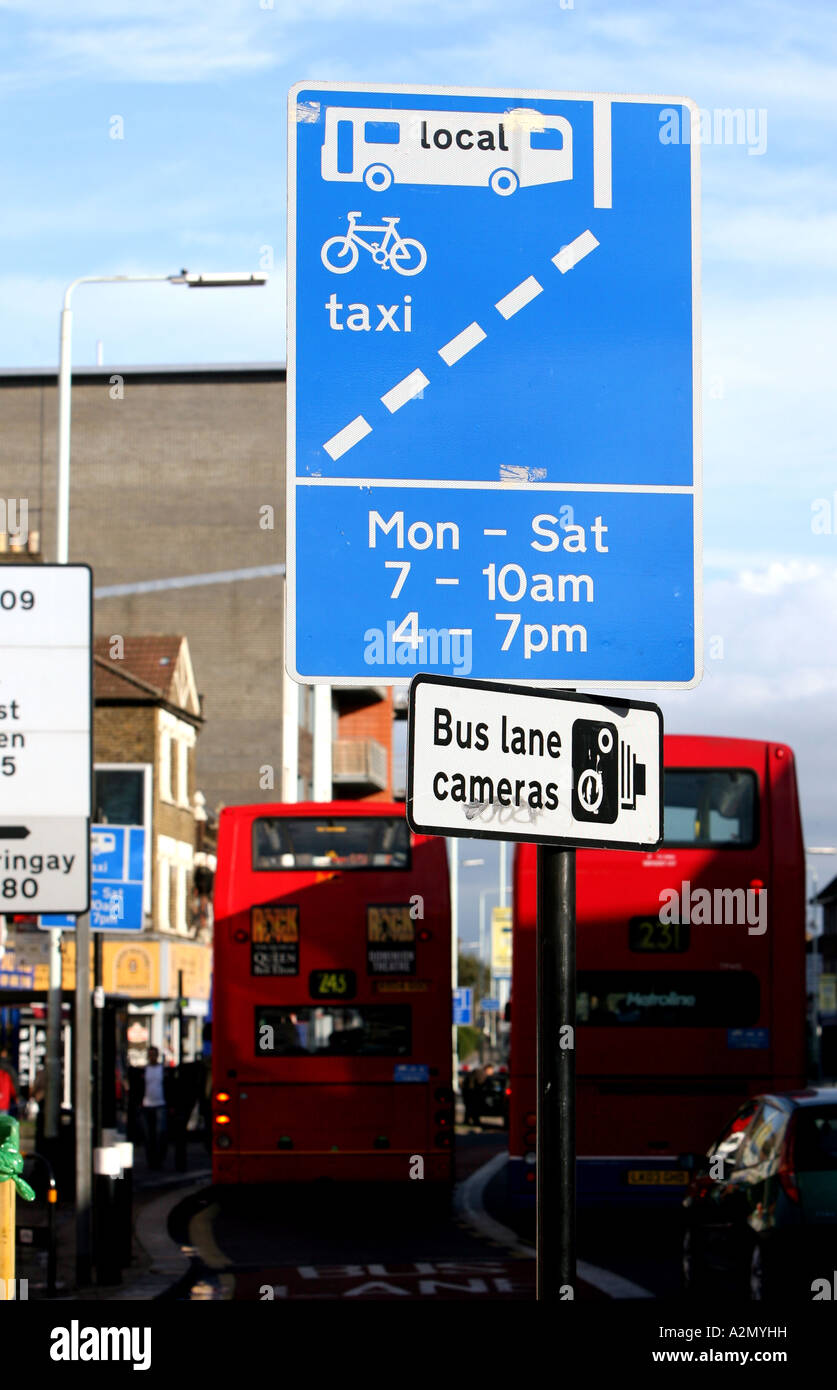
556, 1074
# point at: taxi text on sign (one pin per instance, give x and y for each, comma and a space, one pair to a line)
45, 737
493, 393
506, 762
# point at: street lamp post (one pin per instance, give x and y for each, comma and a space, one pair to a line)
487, 893
454, 940
82, 1014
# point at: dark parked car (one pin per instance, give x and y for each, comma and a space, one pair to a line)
761, 1211
495, 1097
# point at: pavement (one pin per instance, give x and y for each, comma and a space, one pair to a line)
157, 1261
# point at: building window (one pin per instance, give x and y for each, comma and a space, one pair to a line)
182, 772
119, 797
164, 893
165, 766
180, 920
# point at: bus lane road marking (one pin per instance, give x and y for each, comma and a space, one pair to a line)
446, 1279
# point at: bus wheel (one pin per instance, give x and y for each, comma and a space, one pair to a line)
503, 182
378, 177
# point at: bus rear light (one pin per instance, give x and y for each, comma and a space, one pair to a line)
222, 1097
224, 1141
425, 935
530, 1139
381, 1141
443, 1094
286, 1142
443, 1141
222, 1119
442, 1118
530, 1176
531, 1119
241, 936
757, 885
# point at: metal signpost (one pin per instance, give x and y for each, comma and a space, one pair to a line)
492, 387
558, 769
46, 757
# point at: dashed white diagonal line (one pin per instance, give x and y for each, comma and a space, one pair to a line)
570, 255
413, 384
405, 391
348, 437
519, 297
462, 343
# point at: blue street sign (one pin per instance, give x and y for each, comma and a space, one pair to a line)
463, 1005
493, 463
490, 1006
117, 879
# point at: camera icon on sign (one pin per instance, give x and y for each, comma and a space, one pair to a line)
607, 776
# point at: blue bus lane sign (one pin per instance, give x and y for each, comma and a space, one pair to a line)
493, 387
118, 880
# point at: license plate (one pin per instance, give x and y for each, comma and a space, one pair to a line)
657, 1177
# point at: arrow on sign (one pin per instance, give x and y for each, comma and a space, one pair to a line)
13, 832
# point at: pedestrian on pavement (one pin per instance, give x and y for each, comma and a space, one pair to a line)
154, 1107
9, 1083
472, 1096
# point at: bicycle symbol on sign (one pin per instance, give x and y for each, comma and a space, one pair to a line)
404, 254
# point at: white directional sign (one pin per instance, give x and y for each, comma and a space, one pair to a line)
493, 453
508, 763
45, 737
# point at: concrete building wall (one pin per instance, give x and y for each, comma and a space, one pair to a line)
168, 481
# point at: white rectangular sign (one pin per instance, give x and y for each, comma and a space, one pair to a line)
46, 699
505, 762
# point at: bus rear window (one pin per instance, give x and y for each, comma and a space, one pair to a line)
668, 998
356, 842
710, 807
333, 1030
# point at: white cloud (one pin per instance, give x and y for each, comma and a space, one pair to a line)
777, 679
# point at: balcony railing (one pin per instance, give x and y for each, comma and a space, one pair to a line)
360, 762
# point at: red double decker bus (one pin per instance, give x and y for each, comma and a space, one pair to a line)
332, 997
691, 972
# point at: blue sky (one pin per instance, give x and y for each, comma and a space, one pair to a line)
199, 180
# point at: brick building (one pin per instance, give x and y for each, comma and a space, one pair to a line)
178, 503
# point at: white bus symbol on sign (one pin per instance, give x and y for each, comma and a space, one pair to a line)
484, 149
